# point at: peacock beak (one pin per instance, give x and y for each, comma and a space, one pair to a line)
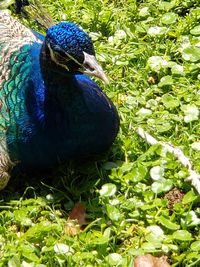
92, 68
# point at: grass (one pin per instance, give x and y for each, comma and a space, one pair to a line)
150, 50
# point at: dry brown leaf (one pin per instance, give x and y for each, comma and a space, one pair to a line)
75, 220
150, 261
78, 213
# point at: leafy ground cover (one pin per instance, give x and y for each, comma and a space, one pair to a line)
136, 198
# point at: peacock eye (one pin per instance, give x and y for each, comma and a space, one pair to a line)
88, 67
61, 56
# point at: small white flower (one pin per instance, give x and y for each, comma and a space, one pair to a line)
195, 146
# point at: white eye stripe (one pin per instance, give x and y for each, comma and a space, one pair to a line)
54, 59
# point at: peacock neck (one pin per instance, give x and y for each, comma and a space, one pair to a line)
61, 91
59, 83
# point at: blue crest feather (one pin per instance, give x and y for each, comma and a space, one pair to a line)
70, 38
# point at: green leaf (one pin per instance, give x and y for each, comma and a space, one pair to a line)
26, 264
14, 262
113, 213
189, 197
196, 146
182, 235
195, 31
157, 173
169, 18
22, 217
163, 126
156, 234
61, 248
144, 112
30, 256
40, 230
149, 247
170, 102
109, 166
29, 251
165, 81
157, 63
191, 112
195, 246
126, 167
138, 173
143, 12
162, 185
191, 53
167, 223
163, 5
177, 70
107, 233
114, 259
156, 30
192, 256
6, 3
108, 190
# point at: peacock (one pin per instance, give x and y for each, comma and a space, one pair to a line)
51, 111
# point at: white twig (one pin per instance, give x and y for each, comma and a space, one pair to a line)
194, 177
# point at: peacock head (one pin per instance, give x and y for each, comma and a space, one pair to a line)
71, 48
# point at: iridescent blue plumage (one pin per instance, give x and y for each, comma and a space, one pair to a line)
50, 111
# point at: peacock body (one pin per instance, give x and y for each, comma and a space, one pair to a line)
50, 110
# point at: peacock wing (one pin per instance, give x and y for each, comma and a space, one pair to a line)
16, 63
